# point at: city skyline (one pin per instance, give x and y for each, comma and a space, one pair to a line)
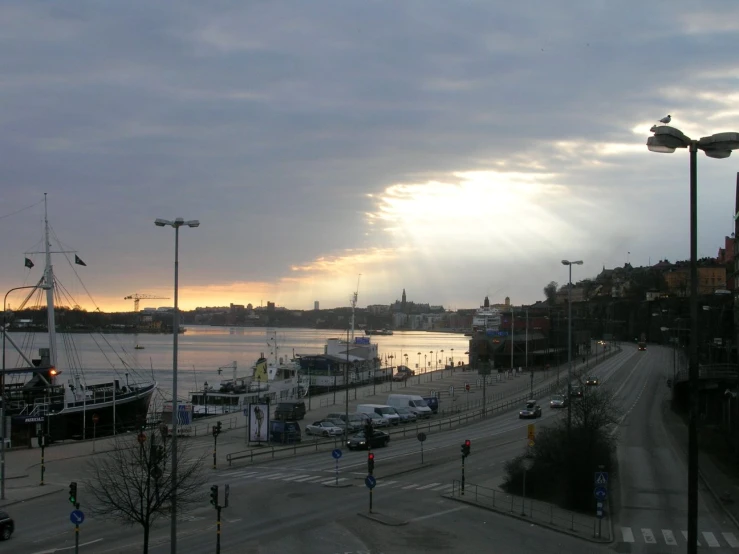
457, 149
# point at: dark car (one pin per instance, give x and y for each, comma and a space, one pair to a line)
358, 441
592, 380
284, 432
531, 410
576, 392
433, 403
6, 526
403, 373
290, 410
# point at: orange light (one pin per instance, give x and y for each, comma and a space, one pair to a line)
52, 371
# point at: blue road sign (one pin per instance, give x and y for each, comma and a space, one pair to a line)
370, 481
600, 493
336, 453
601, 478
76, 517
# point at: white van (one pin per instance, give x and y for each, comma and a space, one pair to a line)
386, 412
413, 402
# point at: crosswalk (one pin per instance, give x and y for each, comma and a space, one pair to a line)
327, 479
671, 538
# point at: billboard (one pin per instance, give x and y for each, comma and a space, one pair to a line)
258, 422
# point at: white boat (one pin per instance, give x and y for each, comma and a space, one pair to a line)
270, 380
486, 318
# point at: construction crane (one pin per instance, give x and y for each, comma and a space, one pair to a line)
136, 297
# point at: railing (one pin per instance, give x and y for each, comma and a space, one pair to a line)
535, 510
715, 371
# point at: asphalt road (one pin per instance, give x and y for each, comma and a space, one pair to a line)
285, 506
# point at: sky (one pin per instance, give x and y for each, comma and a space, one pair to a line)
454, 149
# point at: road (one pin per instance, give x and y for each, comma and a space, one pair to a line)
286, 506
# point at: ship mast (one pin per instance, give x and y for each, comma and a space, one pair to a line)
354, 305
49, 282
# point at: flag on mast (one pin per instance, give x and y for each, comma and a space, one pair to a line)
78, 260
29, 263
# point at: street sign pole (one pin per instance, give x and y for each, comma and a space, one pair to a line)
76, 539
337, 472
462, 475
218, 530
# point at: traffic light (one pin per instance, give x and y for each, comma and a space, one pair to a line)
368, 430
370, 462
217, 429
73, 492
219, 425
466, 448
214, 495
158, 456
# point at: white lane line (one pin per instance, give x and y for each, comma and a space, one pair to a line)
413, 486
385, 483
66, 547
270, 475
420, 518
332, 480
685, 536
669, 537
627, 534
278, 476
312, 479
710, 539
731, 539
648, 536
441, 488
428, 486
296, 477
305, 479
238, 473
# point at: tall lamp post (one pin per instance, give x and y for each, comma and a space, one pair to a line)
177, 223
2, 394
569, 342
665, 140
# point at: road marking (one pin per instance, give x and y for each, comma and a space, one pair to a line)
305, 479
271, 475
441, 488
413, 486
627, 534
648, 536
669, 537
239, 473
385, 484
710, 539
685, 536
333, 480
296, 477
421, 518
312, 479
731, 539
428, 486
65, 547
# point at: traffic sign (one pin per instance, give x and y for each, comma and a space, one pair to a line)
531, 442
421, 437
142, 438
370, 482
467, 387
601, 493
95, 418
336, 453
601, 478
76, 517
451, 390
532, 431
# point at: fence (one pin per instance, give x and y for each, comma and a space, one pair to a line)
535, 510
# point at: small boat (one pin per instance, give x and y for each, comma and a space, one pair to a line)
138, 347
383, 332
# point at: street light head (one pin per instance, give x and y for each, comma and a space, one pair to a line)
578, 262
161, 222
718, 154
565, 262
720, 141
193, 223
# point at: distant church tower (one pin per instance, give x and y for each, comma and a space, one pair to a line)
403, 304
486, 304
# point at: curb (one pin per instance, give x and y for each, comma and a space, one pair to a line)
48, 493
339, 486
528, 520
382, 519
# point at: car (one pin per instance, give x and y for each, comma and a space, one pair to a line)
377, 420
592, 380
290, 411
356, 421
359, 441
433, 403
558, 401
324, 428
7, 526
576, 392
403, 373
406, 416
530, 411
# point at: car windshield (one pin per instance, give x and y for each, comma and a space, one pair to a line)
401, 410
336, 422
419, 403
386, 411
530, 405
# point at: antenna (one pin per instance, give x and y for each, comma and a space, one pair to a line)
354, 297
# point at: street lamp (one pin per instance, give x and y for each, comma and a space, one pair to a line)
665, 140
2, 391
177, 223
569, 343
419, 363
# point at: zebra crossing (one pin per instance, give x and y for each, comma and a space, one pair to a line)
328, 478
671, 538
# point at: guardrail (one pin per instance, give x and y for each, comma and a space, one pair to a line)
535, 510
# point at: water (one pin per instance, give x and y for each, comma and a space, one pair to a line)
203, 349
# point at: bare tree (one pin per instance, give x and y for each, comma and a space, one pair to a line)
133, 482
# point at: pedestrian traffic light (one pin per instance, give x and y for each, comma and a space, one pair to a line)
73, 492
370, 462
368, 430
214, 495
219, 426
466, 448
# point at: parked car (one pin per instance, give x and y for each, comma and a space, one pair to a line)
290, 410
377, 420
7, 525
406, 416
403, 373
413, 402
359, 441
356, 421
530, 411
433, 403
284, 432
558, 401
324, 429
592, 380
382, 410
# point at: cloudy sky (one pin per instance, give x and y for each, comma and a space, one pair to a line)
451, 148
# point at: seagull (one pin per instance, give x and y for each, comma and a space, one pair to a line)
666, 119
